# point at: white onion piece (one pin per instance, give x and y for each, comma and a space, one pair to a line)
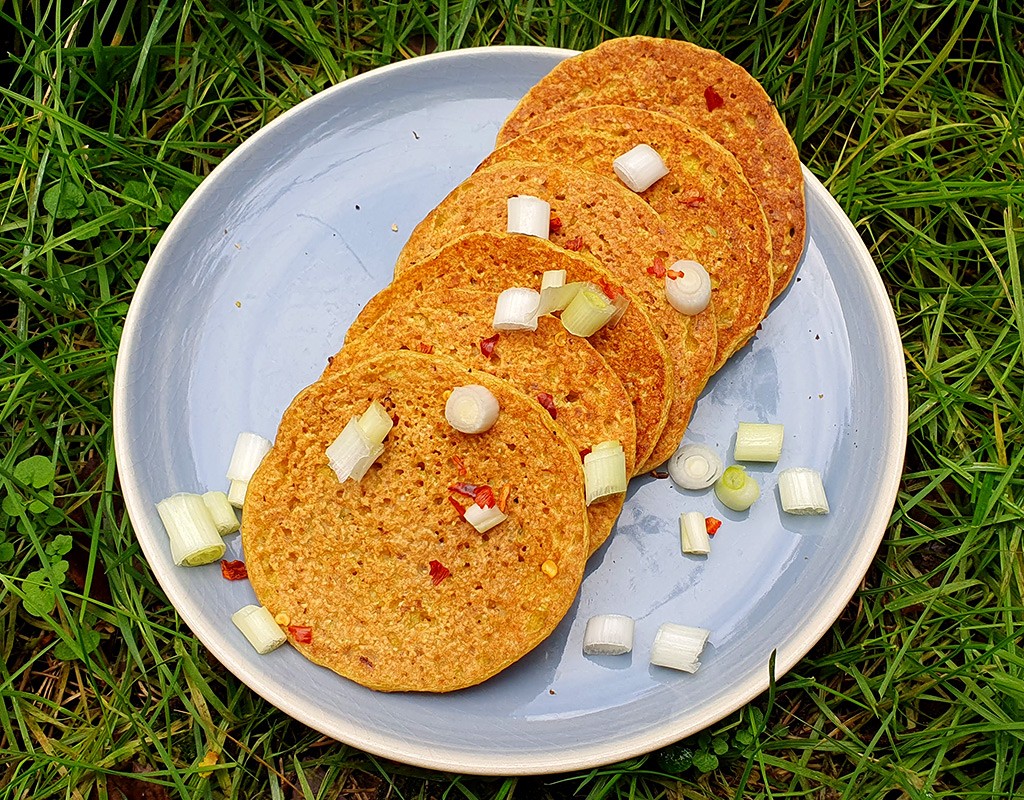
221, 512
678, 646
249, 451
608, 635
640, 167
802, 491
258, 626
529, 215
376, 423
694, 466
191, 530
758, 441
552, 279
236, 493
516, 310
693, 534
556, 298
352, 452
604, 471
483, 519
471, 409
690, 293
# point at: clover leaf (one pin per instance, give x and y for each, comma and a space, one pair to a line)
64, 200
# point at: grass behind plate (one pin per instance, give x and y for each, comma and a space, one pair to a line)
112, 113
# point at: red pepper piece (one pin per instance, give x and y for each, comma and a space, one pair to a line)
713, 99
692, 202
487, 345
711, 525
438, 572
233, 570
468, 489
458, 507
301, 633
585, 452
611, 291
548, 402
674, 274
458, 462
425, 348
657, 269
555, 226
484, 497
575, 244
506, 492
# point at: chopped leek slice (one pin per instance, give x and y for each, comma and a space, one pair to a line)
695, 466
236, 493
678, 646
552, 279
621, 303
529, 215
247, 455
191, 530
516, 310
736, 489
604, 470
588, 312
693, 534
352, 453
376, 423
802, 491
690, 292
608, 635
471, 409
221, 512
556, 298
640, 167
758, 441
483, 519
259, 627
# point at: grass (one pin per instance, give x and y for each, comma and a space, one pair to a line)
110, 114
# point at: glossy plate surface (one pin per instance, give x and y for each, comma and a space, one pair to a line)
252, 288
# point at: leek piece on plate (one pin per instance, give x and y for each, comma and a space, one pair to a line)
529, 215
589, 311
608, 635
471, 409
693, 534
192, 532
604, 470
258, 626
250, 448
483, 519
695, 466
758, 441
678, 646
222, 512
736, 489
688, 287
236, 493
802, 491
516, 310
376, 423
352, 453
640, 167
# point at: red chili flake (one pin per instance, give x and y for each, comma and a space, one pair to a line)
575, 244
468, 489
711, 525
713, 99
458, 462
506, 492
438, 572
693, 201
548, 402
611, 291
366, 661
301, 633
487, 345
458, 507
425, 348
233, 570
555, 226
484, 497
657, 269
585, 452
674, 274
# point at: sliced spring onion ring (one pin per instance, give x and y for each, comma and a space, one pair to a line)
736, 489
589, 311
529, 215
608, 635
758, 441
483, 519
689, 293
250, 448
552, 279
695, 466
604, 470
221, 512
640, 167
192, 532
471, 409
693, 534
678, 646
236, 493
351, 454
802, 492
258, 626
516, 310
376, 423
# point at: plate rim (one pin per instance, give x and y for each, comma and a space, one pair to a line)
390, 745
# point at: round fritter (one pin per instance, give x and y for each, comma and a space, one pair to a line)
600, 216
704, 197
399, 592
589, 400
702, 88
495, 261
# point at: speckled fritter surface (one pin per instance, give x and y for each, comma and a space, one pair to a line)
496, 261
672, 77
352, 561
589, 400
705, 199
602, 217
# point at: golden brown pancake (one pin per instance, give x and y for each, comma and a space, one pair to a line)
602, 217
495, 261
705, 198
589, 400
352, 561
686, 81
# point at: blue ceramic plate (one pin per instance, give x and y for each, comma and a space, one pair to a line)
253, 287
